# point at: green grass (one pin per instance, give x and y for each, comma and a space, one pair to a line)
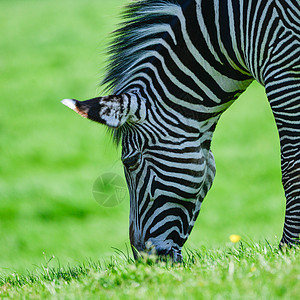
245, 271
50, 158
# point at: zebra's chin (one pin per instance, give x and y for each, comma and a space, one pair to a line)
157, 252
173, 253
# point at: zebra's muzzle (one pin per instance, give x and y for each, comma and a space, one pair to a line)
161, 254
173, 253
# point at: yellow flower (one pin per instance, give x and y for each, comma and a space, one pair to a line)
234, 238
253, 269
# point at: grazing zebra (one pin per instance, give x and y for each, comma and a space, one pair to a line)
175, 67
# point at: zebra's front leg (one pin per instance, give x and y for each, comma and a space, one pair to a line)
288, 124
290, 163
285, 102
280, 74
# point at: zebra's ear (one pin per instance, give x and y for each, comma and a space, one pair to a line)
112, 111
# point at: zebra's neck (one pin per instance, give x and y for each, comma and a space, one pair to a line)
158, 52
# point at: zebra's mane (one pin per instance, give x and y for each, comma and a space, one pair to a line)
138, 17
138, 26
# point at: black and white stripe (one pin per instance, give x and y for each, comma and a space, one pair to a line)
190, 60
185, 62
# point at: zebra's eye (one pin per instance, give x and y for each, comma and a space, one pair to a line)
131, 163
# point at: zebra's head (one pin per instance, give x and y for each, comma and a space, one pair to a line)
167, 164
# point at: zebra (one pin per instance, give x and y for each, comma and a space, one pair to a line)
175, 66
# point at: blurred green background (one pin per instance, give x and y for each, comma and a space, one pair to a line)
50, 157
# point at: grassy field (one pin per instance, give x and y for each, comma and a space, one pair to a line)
256, 271
50, 159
